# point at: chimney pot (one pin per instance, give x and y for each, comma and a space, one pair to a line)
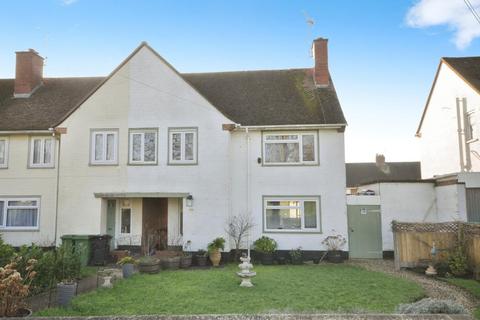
28, 73
321, 76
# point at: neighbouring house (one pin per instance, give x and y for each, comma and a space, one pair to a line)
156, 158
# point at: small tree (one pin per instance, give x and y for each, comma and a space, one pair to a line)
237, 228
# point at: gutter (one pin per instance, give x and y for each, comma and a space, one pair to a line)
14, 132
239, 127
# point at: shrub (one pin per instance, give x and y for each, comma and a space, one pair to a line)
15, 287
431, 306
457, 260
265, 245
127, 260
6, 252
335, 242
67, 264
296, 254
216, 244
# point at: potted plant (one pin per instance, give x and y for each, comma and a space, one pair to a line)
172, 262
266, 247
68, 266
15, 288
334, 245
148, 264
296, 256
127, 264
201, 258
214, 248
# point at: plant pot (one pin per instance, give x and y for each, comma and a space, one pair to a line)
171, 263
316, 260
149, 267
297, 260
127, 270
23, 313
335, 256
201, 261
186, 262
65, 293
215, 256
281, 260
267, 258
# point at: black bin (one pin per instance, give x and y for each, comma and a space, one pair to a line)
100, 249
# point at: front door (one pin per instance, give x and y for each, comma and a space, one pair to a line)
364, 232
111, 213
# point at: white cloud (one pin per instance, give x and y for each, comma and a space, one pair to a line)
452, 13
68, 2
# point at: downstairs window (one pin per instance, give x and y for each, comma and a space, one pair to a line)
292, 214
19, 213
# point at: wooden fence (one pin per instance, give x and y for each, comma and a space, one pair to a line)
413, 242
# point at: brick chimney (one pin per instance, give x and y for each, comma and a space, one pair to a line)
321, 75
28, 73
379, 159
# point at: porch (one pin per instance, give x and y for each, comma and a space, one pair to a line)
143, 222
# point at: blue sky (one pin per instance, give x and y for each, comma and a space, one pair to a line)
381, 66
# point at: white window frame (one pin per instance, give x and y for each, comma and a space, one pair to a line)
300, 199
299, 135
469, 132
103, 161
3, 222
142, 132
183, 131
5, 164
120, 219
42, 164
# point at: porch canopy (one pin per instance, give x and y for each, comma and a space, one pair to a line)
141, 194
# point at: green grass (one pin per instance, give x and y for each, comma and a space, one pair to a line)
471, 286
325, 288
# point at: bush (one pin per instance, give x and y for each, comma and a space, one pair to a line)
431, 306
44, 267
216, 244
6, 252
67, 264
265, 245
457, 260
127, 260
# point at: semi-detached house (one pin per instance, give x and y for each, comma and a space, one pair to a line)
154, 157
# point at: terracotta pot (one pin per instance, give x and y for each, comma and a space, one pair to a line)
215, 256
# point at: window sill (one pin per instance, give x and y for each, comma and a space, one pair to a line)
41, 167
183, 163
293, 231
142, 164
94, 164
19, 229
290, 164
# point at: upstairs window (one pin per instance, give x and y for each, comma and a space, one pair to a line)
42, 153
3, 152
19, 213
290, 148
182, 146
143, 146
284, 214
104, 149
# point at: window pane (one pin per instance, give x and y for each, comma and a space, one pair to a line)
2, 205
37, 148
177, 146
98, 146
126, 215
283, 203
189, 146
282, 152
136, 147
2, 152
22, 217
47, 151
110, 146
22, 203
308, 145
149, 146
310, 214
283, 218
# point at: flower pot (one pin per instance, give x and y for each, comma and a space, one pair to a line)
267, 258
65, 293
316, 260
215, 256
335, 256
127, 270
152, 266
171, 263
186, 262
201, 261
23, 313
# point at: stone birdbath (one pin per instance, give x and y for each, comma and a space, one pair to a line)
245, 273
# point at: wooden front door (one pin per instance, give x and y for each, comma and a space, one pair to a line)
155, 224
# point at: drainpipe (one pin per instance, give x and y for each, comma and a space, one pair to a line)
460, 133
468, 159
57, 186
248, 185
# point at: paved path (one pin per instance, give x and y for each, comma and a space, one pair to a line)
434, 288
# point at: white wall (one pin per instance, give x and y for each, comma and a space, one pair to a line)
439, 138
326, 180
19, 180
451, 203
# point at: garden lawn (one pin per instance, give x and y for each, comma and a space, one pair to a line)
471, 286
308, 288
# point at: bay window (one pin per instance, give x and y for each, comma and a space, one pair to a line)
42, 152
19, 213
182, 146
143, 146
104, 147
291, 214
290, 148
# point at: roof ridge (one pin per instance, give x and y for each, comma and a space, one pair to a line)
244, 71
